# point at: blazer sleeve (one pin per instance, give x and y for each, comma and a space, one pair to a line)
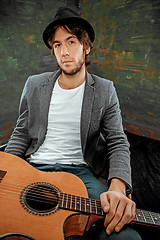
19, 140
117, 143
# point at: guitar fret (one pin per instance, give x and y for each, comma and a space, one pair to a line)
80, 203
143, 216
75, 202
71, 203
63, 200
151, 217
99, 208
93, 204
139, 215
83, 204
90, 206
157, 218
136, 217
87, 205
66, 200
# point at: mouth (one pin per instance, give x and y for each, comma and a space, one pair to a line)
67, 61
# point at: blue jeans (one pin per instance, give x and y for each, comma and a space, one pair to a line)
94, 188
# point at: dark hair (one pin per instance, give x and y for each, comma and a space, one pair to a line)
79, 32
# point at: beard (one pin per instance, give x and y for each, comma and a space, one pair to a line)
74, 70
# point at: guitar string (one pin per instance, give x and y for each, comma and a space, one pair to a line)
51, 195
37, 189
46, 193
137, 217
55, 198
41, 189
83, 208
147, 213
86, 199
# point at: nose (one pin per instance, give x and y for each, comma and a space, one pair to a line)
64, 50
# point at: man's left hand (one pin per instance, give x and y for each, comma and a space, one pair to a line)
119, 209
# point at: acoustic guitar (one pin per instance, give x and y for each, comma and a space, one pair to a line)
48, 205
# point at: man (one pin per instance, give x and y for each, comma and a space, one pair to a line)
65, 115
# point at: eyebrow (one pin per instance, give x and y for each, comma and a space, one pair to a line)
68, 38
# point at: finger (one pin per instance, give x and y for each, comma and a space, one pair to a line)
105, 202
133, 212
127, 217
117, 217
114, 202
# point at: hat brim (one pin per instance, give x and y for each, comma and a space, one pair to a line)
81, 21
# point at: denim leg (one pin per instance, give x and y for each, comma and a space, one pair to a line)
127, 233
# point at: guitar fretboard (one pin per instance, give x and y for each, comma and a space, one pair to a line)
147, 217
80, 204
92, 206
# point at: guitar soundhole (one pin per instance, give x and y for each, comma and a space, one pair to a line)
40, 199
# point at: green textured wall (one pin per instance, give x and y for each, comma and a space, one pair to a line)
126, 51
22, 52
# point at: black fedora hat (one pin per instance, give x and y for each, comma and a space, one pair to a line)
66, 15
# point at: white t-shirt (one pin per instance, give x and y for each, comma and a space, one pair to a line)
63, 140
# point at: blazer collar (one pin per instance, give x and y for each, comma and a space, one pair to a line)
53, 77
89, 79
87, 109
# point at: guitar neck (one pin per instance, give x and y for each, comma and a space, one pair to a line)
92, 206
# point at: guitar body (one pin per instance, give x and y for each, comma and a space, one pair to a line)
48, 205
19, 215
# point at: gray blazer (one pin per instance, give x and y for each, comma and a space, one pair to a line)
104, 144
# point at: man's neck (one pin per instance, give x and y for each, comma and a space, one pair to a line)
72, 81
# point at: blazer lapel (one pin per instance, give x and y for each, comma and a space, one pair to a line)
87, 109
45, 98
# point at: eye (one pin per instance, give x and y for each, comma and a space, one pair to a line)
71, 42
56, 45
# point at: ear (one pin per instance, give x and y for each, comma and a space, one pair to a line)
88, 49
